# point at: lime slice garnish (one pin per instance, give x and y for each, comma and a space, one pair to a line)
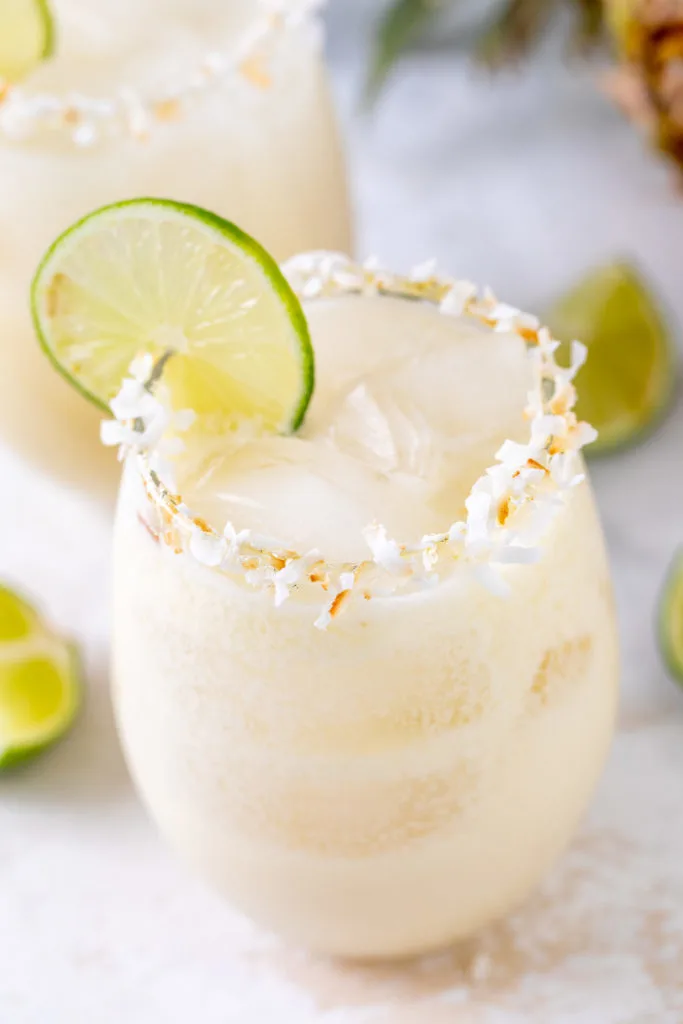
149, 276
627, 381
671, 619
26, 37
40, 684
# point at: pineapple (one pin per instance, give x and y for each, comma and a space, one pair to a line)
649, 85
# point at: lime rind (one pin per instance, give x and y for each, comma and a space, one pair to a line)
230, 237
49, 29
670, 620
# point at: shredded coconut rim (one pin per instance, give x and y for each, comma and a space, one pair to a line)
86, 121
509, 508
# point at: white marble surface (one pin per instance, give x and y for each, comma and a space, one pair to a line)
522, 183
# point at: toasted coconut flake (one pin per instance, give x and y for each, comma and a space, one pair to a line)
338, 602
293, 571
254, 70
167, 109
206, 547
457, 299
385, 551
503, 511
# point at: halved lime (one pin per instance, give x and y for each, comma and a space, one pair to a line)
26, 37
671, 619
40, 682
627, 381
151, 276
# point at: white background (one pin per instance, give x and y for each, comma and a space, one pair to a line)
523, 183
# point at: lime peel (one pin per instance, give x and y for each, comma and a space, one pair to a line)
671, 619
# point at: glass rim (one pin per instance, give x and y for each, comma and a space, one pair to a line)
509, 508
87, 120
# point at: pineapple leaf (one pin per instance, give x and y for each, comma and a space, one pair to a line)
590, 25
514, 33
399, 28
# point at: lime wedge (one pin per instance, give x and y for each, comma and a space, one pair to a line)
40, 687
671, 619
26, 37
627, 381
151, 276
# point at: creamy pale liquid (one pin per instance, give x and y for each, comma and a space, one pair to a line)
392, 784
408, 409
269, 159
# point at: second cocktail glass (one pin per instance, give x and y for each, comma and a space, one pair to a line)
222, 104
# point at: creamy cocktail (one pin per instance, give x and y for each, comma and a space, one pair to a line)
224, 104
364, 655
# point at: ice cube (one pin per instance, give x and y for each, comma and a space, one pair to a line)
424, 393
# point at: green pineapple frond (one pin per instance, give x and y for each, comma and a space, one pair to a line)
515, 32
507, 38
590, 25
398, 31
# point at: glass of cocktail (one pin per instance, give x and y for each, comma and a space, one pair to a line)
364, 653
224, 104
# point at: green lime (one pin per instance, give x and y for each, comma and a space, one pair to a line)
627, 381
152, 276
18, 619
671, 619
40, 682
26, 37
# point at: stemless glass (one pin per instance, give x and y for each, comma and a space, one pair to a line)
391, 783
222, 104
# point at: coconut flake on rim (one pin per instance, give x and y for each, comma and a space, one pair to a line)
88, 120
509, 508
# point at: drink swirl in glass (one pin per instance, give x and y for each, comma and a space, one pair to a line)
373, 731
222, 104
